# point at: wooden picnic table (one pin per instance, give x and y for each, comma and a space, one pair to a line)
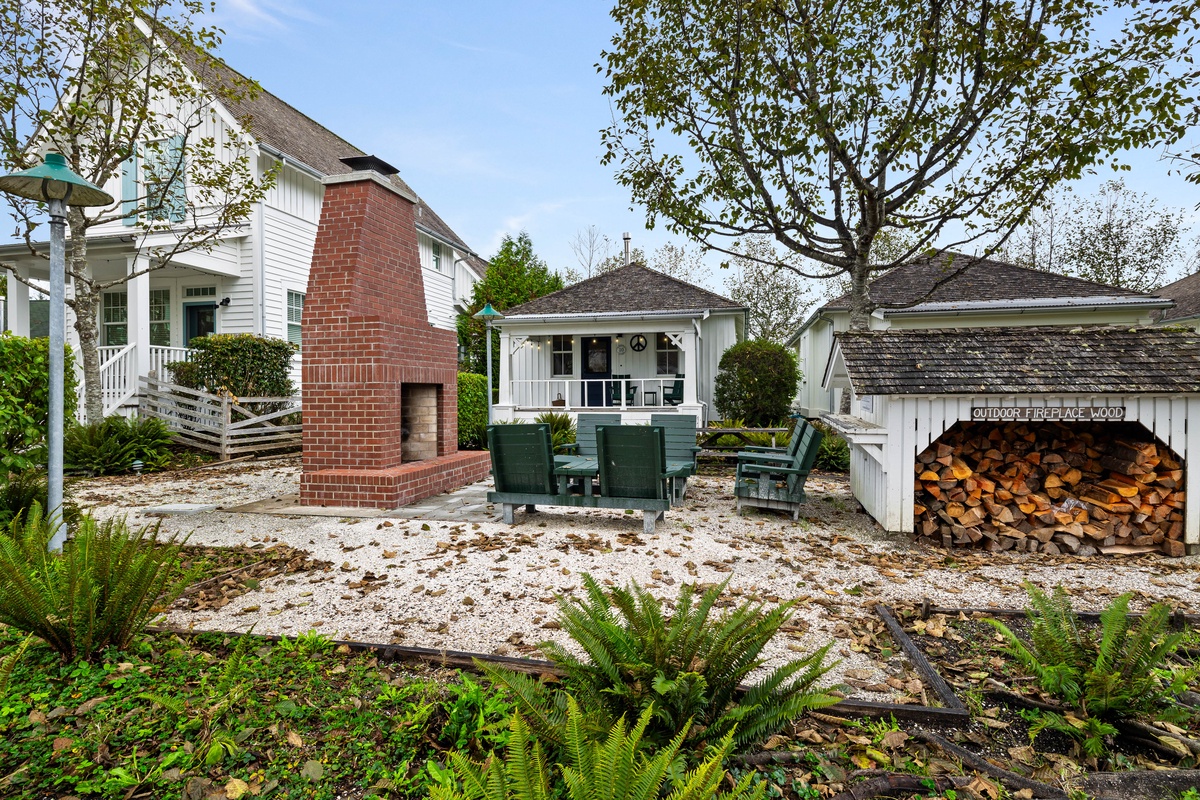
709, 437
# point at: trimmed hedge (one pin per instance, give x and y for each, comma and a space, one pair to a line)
472, 410
242, 364
756, 382
25, 399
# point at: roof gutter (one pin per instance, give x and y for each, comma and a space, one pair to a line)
1006, 306
290, 161
600, 316
432, 234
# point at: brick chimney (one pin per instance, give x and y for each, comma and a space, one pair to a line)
368, 346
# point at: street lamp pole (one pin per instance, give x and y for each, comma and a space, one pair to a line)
489, 315
55, 184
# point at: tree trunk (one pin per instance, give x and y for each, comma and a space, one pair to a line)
860, 307
86, 305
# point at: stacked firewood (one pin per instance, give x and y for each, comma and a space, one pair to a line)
1051, 488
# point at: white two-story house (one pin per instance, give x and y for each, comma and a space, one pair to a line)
254, 279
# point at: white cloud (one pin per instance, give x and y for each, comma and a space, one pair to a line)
251, 19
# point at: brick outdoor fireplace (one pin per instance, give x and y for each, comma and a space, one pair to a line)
380, 382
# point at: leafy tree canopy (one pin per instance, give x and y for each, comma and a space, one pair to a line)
825, 124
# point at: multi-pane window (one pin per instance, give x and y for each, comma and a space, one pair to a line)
166, 198
436, 249
295, 312
160, 317
200, 291
668, 356
114, 316
563, 349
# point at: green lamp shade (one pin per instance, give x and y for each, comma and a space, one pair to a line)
54, 180
488, 313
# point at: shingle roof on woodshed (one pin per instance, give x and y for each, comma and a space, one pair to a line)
1033, 360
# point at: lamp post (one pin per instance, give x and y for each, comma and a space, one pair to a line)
490, 315
56, 185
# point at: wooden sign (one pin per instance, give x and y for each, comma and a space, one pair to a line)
1047, 414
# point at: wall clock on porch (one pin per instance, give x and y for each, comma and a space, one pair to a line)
638, 343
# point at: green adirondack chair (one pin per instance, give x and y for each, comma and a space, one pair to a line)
522, 465
584, 445
679, 431
633, 469
766, 455
614, 390
673, 394
778, 482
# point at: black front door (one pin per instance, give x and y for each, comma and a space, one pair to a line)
597, 364
199, 319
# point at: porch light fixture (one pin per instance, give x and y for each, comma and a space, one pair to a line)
55, 184
489, 315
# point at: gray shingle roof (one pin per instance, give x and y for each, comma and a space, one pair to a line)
282, 127
983, 279
1186, 294
625, 290
1022, 360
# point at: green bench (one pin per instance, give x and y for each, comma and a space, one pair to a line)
769, 477
679, 431
630, 463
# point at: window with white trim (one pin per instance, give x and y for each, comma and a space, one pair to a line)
668, 355
200, 291
160, 317
295, 313
114, 317
436, 255
563, 355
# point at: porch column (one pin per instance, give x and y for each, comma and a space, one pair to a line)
138, 302
691, 368
505, 370
16, 306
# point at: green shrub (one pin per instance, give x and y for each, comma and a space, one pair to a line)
562, 427
682, 669
756, 381
110, 447
1124, 672
614, 768
25, 399
19, 491
833, 454
472, 410
242, 364
99, 592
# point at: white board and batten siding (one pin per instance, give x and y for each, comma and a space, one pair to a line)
911, 423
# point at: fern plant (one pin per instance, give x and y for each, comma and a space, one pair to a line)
1123, 673
110, 447
8, 664
99, 592
614, 769
20, 490
683, 668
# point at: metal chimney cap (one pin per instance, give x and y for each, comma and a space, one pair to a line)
369, 164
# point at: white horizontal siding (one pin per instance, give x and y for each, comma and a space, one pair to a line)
287, 255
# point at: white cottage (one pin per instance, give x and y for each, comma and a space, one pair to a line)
632, 341
986, 293
254, 280
909, 387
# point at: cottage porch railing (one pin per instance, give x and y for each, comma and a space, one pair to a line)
575, 393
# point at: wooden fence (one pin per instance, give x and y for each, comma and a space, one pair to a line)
224, 425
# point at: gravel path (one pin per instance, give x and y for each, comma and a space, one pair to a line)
490, 588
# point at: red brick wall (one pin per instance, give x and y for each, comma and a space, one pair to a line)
367, 332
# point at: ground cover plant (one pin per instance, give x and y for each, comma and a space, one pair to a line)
113, 445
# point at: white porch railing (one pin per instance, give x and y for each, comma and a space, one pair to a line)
118, 376
161, 356
574, 393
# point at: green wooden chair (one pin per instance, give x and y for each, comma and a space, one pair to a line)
673, 394
633, 469
522, 466
764, 455
614, 390
777, 482
679, 431
584, 445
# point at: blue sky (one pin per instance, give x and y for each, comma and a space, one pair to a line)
490, 110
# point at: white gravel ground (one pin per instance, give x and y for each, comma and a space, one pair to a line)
487, 587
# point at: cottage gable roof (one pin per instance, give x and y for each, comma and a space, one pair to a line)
1021, 360
630, 290
1186, 294
983, 280
282, 127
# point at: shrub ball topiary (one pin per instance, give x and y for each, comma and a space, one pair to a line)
472, 409
757, 382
